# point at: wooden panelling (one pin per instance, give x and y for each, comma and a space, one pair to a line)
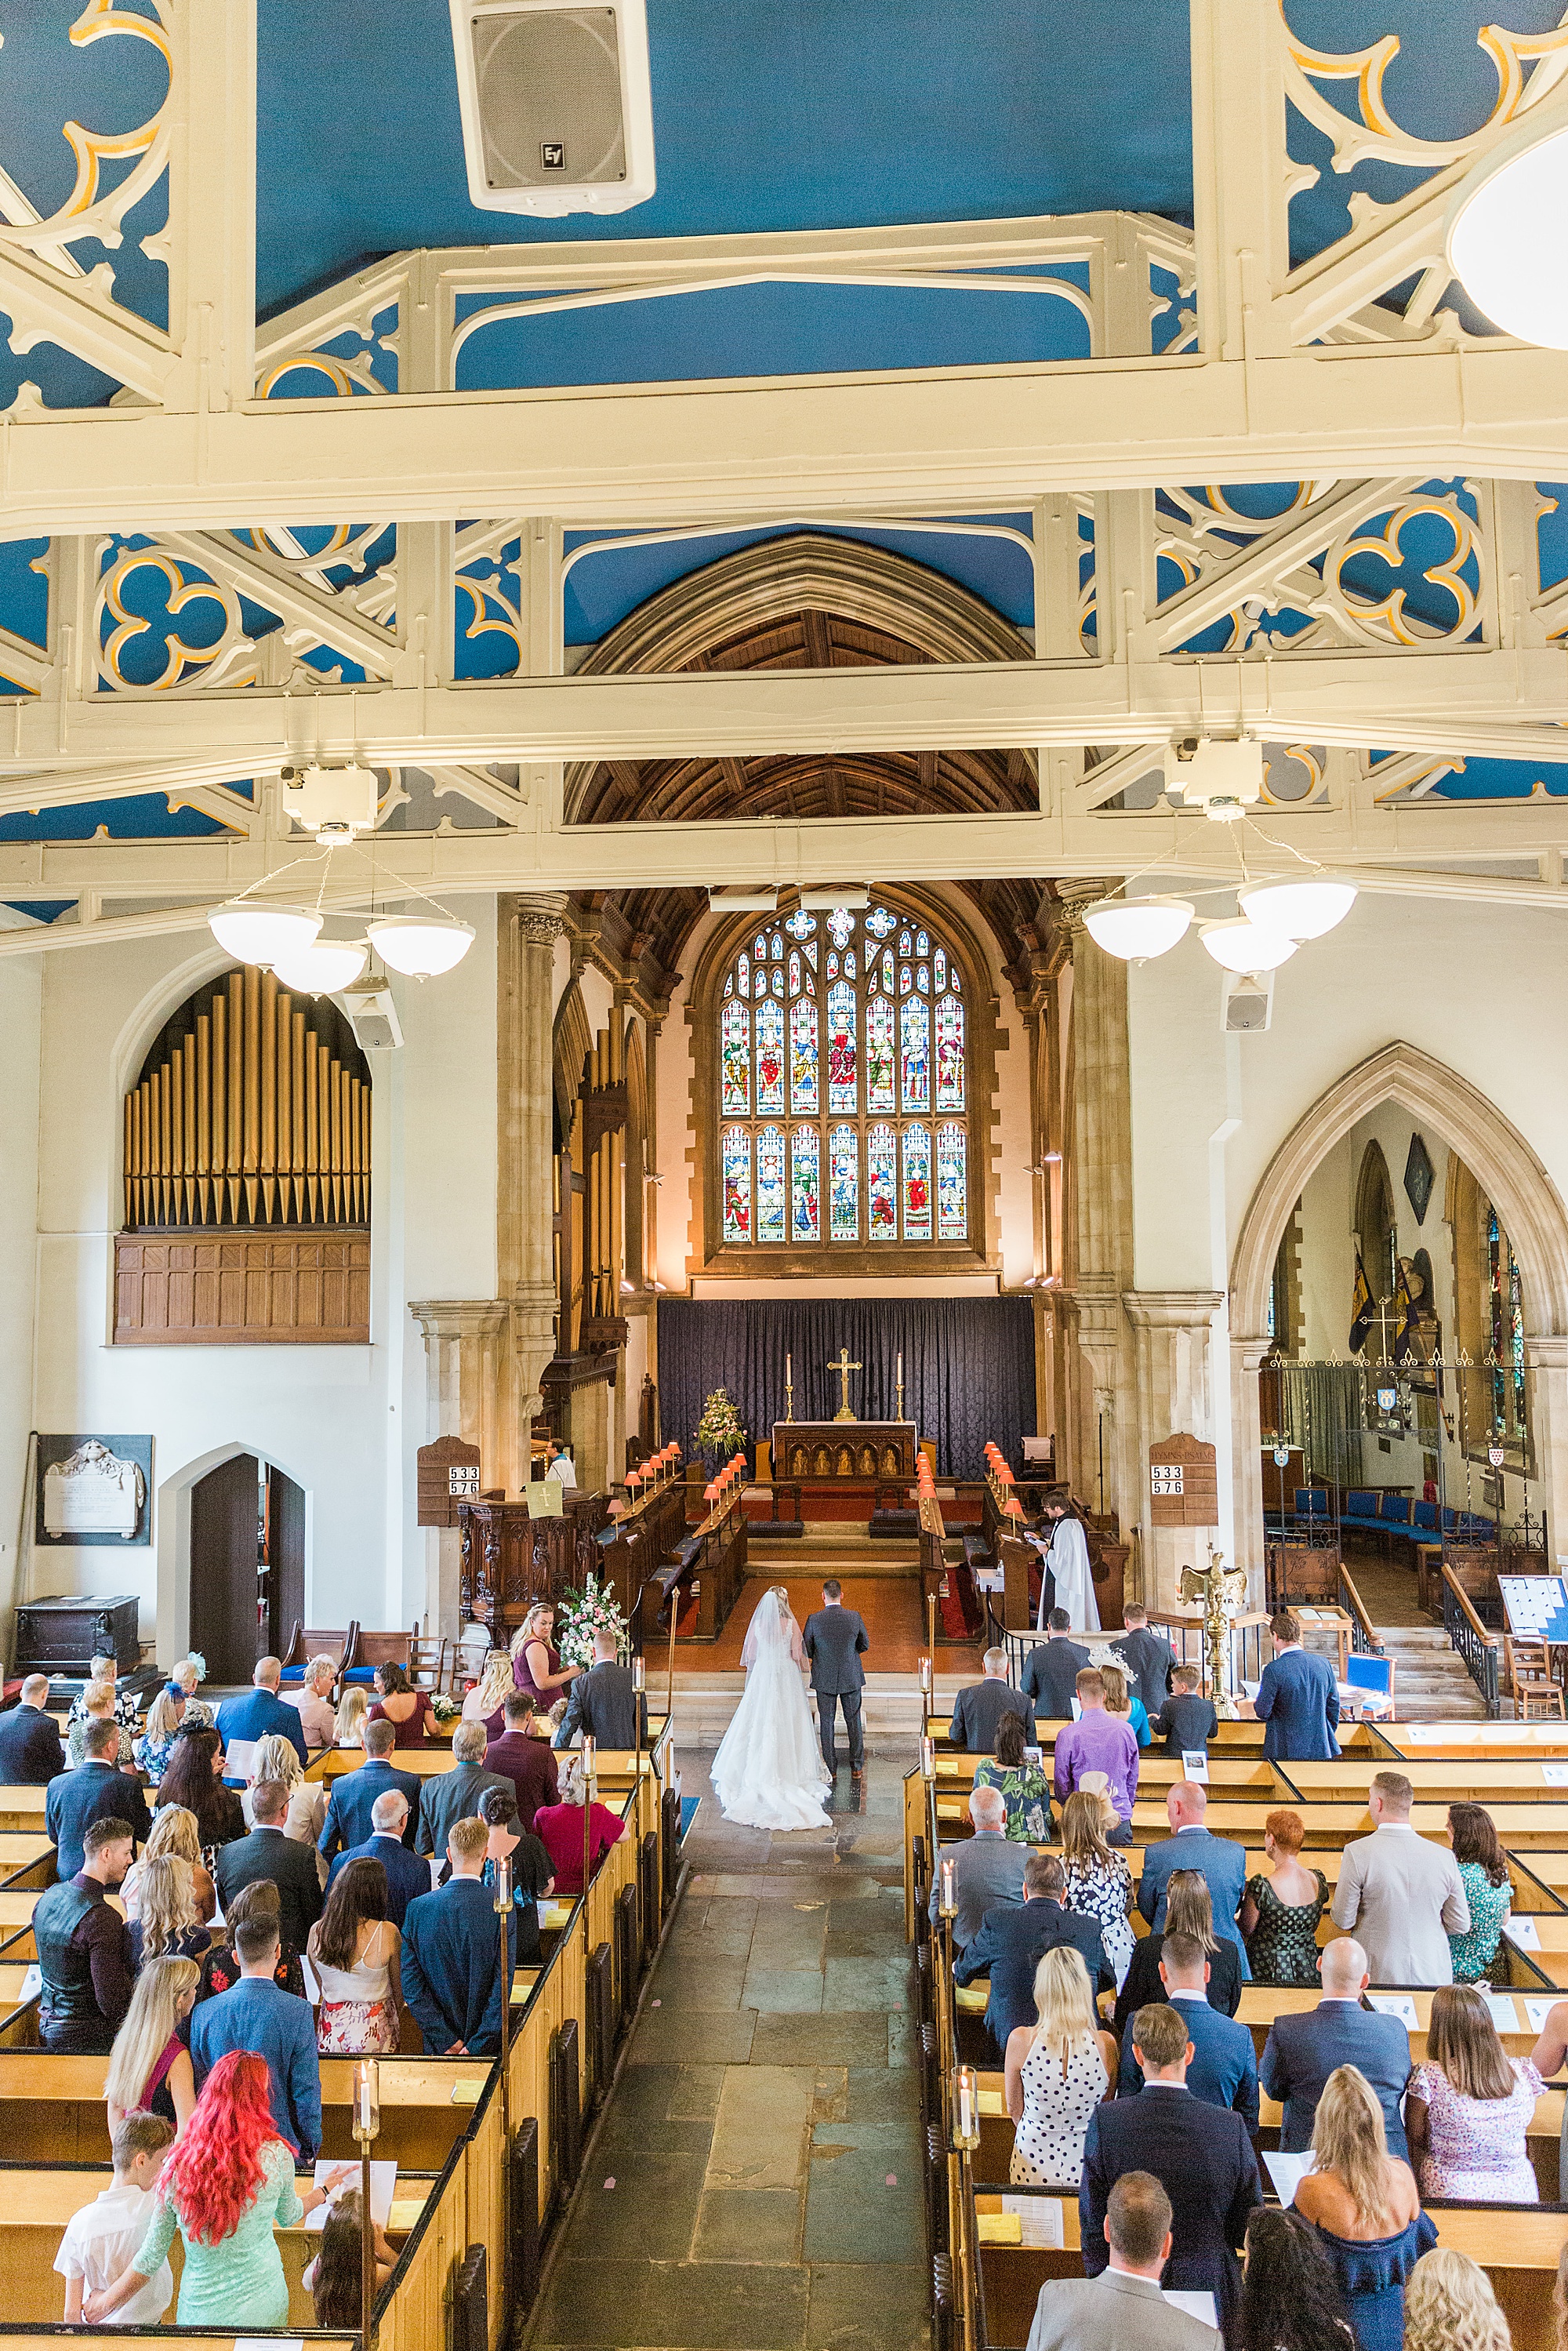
310, 1288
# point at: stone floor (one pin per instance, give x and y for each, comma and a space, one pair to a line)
755, 2184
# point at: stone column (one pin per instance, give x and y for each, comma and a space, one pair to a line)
465, 1345
529, 929
1546, 1402
1095, 1394
1247, 1358
1172, 1332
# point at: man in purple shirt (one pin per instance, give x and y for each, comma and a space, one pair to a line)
1097, 1742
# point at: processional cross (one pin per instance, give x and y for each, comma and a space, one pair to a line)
843, 1367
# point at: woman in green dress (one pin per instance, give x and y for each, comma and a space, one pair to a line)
1282, 1906
1489, 1889
227, 2187
1021, 1785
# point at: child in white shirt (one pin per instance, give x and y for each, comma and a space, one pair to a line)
105, 2236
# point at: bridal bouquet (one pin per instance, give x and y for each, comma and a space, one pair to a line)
580, 1614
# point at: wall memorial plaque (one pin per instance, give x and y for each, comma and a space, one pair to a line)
93, 1489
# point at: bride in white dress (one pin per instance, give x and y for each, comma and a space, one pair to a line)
768, 1772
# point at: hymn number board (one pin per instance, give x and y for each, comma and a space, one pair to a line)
448, 1473
1184, 1484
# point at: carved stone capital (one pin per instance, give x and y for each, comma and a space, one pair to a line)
1172, 1309
459, 1318
1072, 899
540, 916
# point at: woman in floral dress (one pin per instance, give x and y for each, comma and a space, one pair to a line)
1469, 2108
1489, 1889
1021, 1785
1099, 1882
1282, 1906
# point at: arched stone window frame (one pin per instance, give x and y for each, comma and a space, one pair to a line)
933, 1259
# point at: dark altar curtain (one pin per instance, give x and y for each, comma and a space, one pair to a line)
968, 1366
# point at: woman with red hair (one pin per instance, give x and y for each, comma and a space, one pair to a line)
225, 2187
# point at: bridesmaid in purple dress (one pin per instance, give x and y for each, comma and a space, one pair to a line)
536, 1665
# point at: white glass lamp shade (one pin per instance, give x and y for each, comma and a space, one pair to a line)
253, 931
422, 945
1505, 241
1302, 910
323, 967
1135, 928
1241, 944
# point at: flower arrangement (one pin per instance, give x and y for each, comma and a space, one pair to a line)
720, 1429
578, 1615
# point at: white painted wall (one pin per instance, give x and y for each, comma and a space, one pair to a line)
343, 1421
1477, 989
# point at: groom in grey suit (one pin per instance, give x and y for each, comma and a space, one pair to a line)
835, 1640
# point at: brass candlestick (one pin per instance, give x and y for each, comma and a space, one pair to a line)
366, 2125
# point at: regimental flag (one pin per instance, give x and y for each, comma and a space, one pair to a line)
1362, 1307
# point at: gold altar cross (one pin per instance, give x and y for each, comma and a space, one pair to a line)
843, 1367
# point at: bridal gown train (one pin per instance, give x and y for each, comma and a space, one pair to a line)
768, 1772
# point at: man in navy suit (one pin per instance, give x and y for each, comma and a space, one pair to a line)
97, 1790
980, 1708
835, 1639
1014, 1938
1221, 1864
349, 1821
1222, 2070
1150, 1659
260, 1714
1052, 1669
1302, 2051
30, 1751
407, 1877
1297, 1698
1201, 2155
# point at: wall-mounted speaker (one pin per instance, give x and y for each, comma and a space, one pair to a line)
557, 112
1247, 1002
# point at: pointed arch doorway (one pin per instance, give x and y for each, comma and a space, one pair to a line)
247, 1565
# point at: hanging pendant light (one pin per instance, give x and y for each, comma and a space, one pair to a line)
1133, 929
1241, 944
1302, 910
1505, 245
254, 931
323, 967
422, 947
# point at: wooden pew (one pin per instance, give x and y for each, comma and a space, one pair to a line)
1550, 1933
52, 2109
1478, 1780
1517, 2245
22, 1810
34, 2206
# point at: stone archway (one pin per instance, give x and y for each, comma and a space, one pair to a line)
1527, 1201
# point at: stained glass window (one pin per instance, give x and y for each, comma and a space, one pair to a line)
844, 1177
805, 1153
952, 1184
803, 1073
841, 1088
918, 1184
770, 1223
736, 1155
880, 1091
949, 1054
769, 1059
915, 1021
892, 998
734, 1056
882, 1183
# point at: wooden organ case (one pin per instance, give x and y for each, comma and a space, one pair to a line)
247, 1175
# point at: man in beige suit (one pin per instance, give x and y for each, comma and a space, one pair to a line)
1400, 1894
1124, 2304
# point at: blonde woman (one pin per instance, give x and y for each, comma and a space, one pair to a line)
535, 1664
103, 1675
164, 1717
96, 1704
1449, 2305
1099, 1882
485, 1701
349, 1723
175, 1835
1122, 1701
1058, 2070
149, 2066
166, 1926
277, 1758
1365, 2208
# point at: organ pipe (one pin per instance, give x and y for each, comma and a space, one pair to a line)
250, 1121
